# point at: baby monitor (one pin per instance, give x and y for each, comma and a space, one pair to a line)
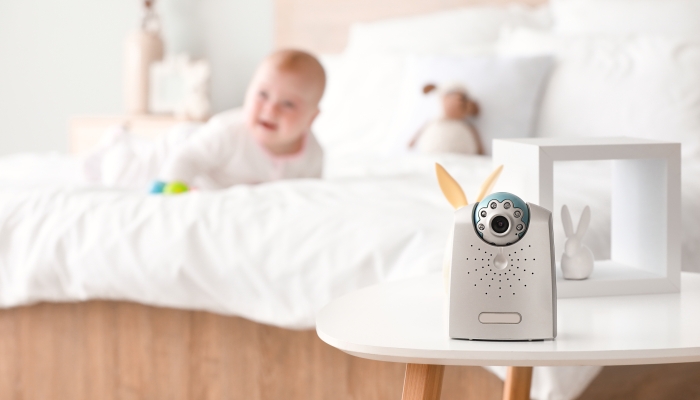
501, 281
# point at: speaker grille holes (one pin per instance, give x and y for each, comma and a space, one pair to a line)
480, 259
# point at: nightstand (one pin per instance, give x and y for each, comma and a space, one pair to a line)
404, 322
85, 131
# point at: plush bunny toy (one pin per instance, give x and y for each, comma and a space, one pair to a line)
452, 132
577, 260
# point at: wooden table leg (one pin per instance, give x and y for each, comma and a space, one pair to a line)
423, 382
517, 386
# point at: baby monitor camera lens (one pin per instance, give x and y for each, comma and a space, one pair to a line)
500, 219
499, 224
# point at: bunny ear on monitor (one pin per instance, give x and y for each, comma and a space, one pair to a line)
488, 184
566, 221
450, 188
583, 222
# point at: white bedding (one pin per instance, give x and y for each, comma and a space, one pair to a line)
273, 253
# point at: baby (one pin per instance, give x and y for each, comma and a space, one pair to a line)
268, 139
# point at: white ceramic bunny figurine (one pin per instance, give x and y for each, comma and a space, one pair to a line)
577, 260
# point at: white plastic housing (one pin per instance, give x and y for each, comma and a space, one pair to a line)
517, 302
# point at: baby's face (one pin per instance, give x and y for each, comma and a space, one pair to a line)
279, 108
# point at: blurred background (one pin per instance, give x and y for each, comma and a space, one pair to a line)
65, 58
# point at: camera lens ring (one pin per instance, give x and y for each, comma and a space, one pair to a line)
500, 225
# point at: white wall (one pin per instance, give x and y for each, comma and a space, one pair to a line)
63, 58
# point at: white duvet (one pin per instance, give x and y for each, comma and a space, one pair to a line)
273, 253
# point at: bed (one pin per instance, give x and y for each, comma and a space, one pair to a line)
99, 305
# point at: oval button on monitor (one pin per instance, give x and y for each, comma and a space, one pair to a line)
500, 318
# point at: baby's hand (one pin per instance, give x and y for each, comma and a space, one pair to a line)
160, 187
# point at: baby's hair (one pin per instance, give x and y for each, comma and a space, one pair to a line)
293, 60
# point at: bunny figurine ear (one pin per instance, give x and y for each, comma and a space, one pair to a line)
583, 222
450, 188
566, 221
488, 184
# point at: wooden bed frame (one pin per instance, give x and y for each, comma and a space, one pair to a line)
121, 350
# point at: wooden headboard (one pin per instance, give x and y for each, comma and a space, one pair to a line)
321, 26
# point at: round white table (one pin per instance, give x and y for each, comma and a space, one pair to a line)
405, 322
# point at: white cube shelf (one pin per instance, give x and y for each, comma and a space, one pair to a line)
645, 200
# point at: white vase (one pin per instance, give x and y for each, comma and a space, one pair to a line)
142, 48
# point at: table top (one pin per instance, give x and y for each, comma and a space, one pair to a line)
406, 322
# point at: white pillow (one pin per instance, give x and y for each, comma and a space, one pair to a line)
642, 86
452, 31
675, 17
356, 109
507, 88
523, 41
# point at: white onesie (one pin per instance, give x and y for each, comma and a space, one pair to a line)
223, 153
219, 154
